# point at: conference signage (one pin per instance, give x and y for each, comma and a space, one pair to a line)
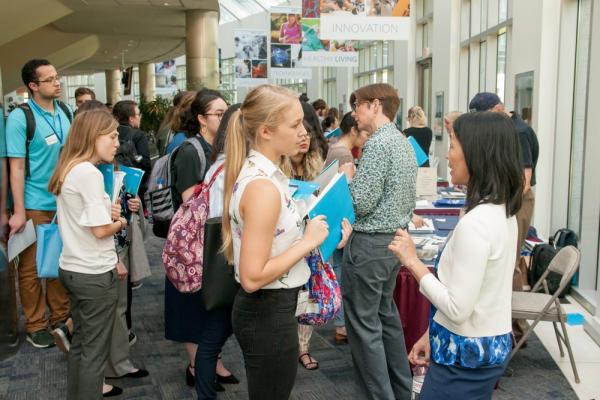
364, 19
318, 52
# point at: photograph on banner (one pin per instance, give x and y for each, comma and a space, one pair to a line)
324, 53
343, 7
345, 19
165, 77
251, 57
286, 44
285, 26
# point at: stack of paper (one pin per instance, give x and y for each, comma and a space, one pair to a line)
426, 228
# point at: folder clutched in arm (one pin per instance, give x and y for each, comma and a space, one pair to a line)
335, 203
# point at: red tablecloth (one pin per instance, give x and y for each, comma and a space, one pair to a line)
413, 307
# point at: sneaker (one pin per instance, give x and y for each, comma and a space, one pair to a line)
41, 339
132, 338
136, 285
62, 338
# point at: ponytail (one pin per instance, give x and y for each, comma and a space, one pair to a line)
236, 150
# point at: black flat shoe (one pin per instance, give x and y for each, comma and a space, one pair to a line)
227, 380
140, 373
115, 391
219, 387
189, 377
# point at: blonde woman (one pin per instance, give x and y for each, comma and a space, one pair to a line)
87, 222
264, 237
419, 130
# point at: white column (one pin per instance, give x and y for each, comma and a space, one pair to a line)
147, 81
201, 49
113, 86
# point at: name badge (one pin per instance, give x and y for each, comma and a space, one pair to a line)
52, 139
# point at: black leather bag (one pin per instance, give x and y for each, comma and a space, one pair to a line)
219, 286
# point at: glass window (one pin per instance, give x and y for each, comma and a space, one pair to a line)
482, 65
483, 19
72, 82
425, 39
241, 8
524, 95
502, 10
227, 87
225, 16
375, 63
501, 64
580, 94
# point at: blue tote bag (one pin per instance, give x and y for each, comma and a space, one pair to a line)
49, 247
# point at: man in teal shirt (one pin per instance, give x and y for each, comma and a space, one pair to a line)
31, 199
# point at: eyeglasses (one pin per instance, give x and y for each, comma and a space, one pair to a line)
51, 80
357, 103
219, 114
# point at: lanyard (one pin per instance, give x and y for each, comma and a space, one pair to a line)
59, 133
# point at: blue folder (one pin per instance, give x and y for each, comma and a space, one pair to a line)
108, 173
133, 179
302, 189
422, 157
335, 202
334, 133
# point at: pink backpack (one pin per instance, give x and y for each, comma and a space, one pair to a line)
183, 254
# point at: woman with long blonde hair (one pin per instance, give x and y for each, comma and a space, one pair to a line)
87, 222
265, 238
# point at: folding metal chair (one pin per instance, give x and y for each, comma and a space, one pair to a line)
546, 307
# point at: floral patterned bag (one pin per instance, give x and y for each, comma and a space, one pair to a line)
183, 254
324, 296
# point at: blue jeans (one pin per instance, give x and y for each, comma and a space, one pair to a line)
216, 328
338, 320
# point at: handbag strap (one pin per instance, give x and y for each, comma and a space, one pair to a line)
54, 218
214, 177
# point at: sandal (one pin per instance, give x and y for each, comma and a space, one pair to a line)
312, 364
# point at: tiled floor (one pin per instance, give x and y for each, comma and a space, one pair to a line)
586, 353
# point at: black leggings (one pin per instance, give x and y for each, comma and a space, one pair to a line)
267, 331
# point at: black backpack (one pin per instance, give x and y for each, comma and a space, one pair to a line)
127, 153
30, 128
542, 255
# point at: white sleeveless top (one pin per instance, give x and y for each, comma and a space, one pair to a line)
289, 228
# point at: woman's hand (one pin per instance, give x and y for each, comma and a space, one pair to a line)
404, 248
115, 211
349, 169
134, 204
421, 351
316, 231
121, 270
346, 231
417, 221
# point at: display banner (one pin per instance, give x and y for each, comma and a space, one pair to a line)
364, 19
286, 44
323, 53
251, 57
165, 77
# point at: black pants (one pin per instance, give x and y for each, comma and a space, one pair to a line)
267, 331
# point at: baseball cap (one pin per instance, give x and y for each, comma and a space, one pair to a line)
484, 101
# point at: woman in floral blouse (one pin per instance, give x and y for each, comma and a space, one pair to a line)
468, 341
265, 238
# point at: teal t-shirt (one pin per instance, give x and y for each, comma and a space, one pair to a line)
2, 135
51, 132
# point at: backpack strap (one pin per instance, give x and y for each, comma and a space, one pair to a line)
65, 108
30, 132
200, 150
